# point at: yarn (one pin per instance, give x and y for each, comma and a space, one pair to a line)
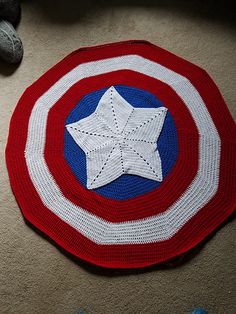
195, 187
11, 48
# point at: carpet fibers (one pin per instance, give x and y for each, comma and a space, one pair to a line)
38, 277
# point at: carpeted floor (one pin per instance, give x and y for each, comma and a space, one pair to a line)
35, 276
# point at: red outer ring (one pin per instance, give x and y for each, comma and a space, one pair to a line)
124, 256
139, 207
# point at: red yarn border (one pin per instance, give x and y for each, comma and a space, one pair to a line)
124, 256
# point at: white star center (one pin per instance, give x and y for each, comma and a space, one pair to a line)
119, 139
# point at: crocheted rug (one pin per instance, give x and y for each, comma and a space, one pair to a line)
123, 154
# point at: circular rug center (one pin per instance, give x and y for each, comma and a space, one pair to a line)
126, 185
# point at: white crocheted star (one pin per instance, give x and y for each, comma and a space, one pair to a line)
119, 139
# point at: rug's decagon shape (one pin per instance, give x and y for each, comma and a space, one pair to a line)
143, 172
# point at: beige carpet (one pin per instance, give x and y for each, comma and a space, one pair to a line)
36, 277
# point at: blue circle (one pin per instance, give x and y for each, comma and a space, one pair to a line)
126, 186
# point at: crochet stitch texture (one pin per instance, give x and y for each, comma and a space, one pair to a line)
119, 139
188, 188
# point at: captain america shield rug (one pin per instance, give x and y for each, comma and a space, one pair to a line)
124, 155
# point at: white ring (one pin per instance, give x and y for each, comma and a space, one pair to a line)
152, 229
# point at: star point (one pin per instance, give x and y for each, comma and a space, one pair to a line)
119, 139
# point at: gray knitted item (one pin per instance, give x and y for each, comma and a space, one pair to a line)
9, 10
11, 48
